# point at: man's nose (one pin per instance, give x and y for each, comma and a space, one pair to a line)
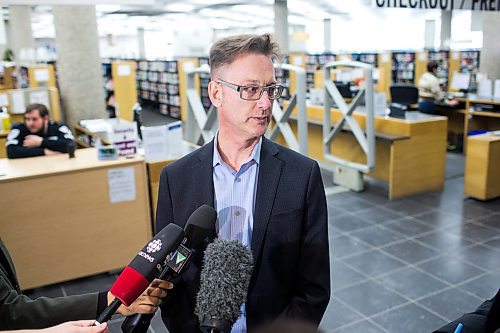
264, 102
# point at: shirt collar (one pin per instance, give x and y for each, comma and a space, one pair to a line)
255, 155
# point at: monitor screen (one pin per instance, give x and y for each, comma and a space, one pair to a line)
460, 81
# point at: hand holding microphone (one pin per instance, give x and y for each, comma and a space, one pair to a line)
199, 232
142, 270
148, 301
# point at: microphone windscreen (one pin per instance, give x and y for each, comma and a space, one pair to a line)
226, 272
200, 227
147, 264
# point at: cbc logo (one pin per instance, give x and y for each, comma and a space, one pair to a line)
154, 246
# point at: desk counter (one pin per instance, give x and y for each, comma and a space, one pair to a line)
410, 153
58, 219
482, 176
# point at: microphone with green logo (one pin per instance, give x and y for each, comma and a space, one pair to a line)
199, 231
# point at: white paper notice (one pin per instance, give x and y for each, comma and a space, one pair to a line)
41, 75
4, 100
155, 143
455, 55
485, 88
18, 104
379, 103
124, 70
121, 183
422, 56
496, 91
385, 57
41, 97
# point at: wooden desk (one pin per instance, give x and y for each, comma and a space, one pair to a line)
482, 175
480, 120
154, 172
58, 221
3, 141
412, 162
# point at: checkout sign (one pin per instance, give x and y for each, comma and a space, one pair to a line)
475, 5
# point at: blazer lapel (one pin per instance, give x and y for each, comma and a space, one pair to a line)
203, 191
8, 266
267, 186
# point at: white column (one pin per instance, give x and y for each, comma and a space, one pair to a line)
490, 52
21, 35
78, 63
327, 34
430, 34
140, 43
281, 24
445, 29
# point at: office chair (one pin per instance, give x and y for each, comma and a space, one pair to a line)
344, 88
405, 95
402, 97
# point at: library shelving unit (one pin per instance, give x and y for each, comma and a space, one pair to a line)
368, 58
283, 78
403, 67
469, 63
204, 81
441, 57
312, 65
158, 86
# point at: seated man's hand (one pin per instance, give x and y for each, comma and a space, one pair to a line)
32, 141
149, 300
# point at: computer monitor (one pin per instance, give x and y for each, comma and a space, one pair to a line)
460, 81
344, 88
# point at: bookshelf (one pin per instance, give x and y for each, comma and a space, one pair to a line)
441, 57
403, 68
469, 63
367, 58
158, 86
204, 81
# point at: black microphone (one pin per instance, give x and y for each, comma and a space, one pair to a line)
227, 267
142, 270
199, 231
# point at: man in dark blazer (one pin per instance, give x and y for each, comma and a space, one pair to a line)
287, 215
18, 311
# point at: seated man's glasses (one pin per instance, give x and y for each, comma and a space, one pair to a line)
254, 92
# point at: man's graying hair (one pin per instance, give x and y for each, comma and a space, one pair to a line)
226, 50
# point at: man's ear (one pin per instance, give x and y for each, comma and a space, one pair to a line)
215, 93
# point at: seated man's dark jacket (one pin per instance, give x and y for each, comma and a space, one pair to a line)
291, 277
57, 138
486, 319
18, 311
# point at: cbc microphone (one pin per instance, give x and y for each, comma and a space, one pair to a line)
199, 232
142, 270
227, 267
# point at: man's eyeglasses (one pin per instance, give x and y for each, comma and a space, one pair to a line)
254, 92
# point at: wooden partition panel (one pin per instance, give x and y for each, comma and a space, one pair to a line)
58, 221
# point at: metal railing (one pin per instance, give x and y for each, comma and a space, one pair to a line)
282, 117
201, 125
366, 141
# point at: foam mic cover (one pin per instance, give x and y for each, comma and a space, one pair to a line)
226, 272
147, 264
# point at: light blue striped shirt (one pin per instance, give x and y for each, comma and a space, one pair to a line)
235, 202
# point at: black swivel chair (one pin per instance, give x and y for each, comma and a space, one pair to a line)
402, 97
344, 88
